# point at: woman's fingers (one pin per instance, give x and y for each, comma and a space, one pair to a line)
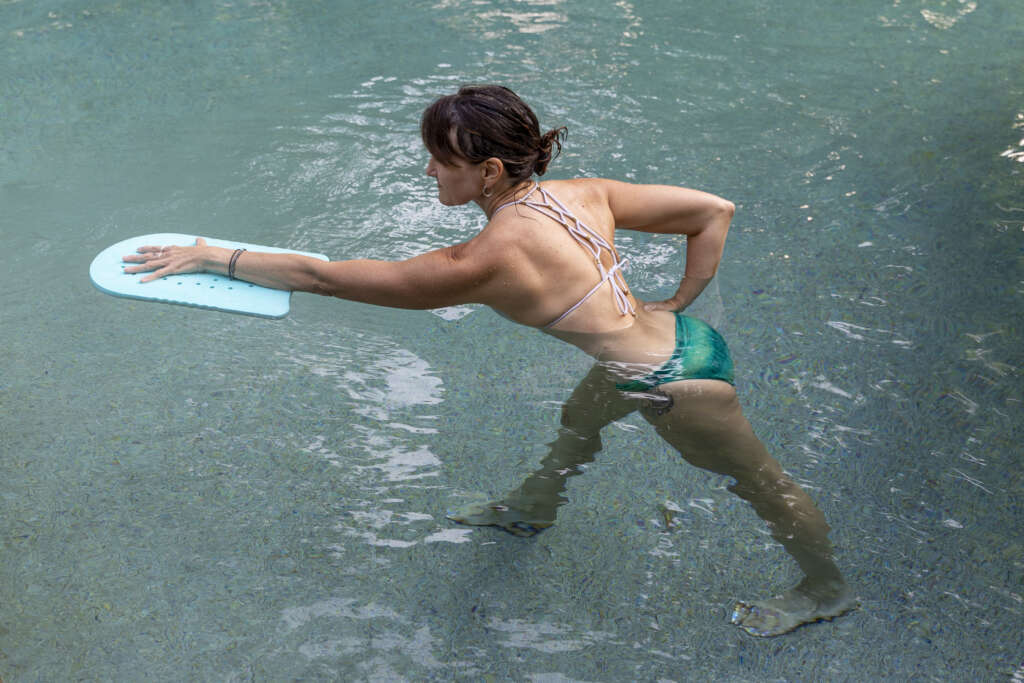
148, 262
157, 275
159, 266
664, 305
164, 260
148, 253
148, 256
163, 265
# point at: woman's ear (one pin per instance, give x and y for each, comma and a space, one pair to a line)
492, 169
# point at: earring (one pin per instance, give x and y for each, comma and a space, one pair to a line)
487, 192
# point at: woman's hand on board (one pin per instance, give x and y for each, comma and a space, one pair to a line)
169, 260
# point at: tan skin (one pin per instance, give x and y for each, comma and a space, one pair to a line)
526, 266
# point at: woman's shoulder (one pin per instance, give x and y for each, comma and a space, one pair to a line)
589, 191
587, 199
587, 184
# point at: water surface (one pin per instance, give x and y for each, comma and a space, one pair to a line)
189, 494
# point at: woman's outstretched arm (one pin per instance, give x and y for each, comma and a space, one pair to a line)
462, 273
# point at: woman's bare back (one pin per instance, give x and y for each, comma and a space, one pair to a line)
554, 272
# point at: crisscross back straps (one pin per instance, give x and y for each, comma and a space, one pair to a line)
587, 238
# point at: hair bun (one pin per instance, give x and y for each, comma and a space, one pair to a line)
484, 121
550, 147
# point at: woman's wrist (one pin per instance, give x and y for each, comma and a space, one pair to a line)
217, 259
689, 289
233, 262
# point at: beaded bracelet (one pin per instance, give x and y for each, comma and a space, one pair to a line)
232, 262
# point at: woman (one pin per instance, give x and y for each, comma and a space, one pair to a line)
546, 258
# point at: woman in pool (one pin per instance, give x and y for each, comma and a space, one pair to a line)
546, 259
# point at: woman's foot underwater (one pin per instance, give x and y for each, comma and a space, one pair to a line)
808, 602
518, 521
805, 604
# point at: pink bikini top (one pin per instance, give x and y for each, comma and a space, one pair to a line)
587, 238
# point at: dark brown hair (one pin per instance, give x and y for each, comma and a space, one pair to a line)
489, 121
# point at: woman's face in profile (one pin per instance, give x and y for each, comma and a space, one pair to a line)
458, 182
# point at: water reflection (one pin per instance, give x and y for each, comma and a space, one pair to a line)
375, 375
861, 333
337, 608
383, 445
948, 13
940, 14
1016, 152
546, 636
396, 462
381, 639
531, 16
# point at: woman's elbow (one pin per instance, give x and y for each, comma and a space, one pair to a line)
726, 209
324, 278
720, 216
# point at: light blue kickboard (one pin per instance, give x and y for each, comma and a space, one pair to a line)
202, 290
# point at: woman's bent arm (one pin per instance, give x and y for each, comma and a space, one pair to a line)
704, 218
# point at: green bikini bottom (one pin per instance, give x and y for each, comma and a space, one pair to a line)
700, 353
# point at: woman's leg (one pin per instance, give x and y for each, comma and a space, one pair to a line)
702, 419
532, 506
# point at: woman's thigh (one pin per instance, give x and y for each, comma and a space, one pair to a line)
702, 419
595, 402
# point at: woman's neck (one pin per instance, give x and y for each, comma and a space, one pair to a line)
512, 192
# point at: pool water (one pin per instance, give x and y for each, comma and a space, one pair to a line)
197, 495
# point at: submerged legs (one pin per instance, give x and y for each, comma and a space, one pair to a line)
532, 507
706, 425
701, 419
